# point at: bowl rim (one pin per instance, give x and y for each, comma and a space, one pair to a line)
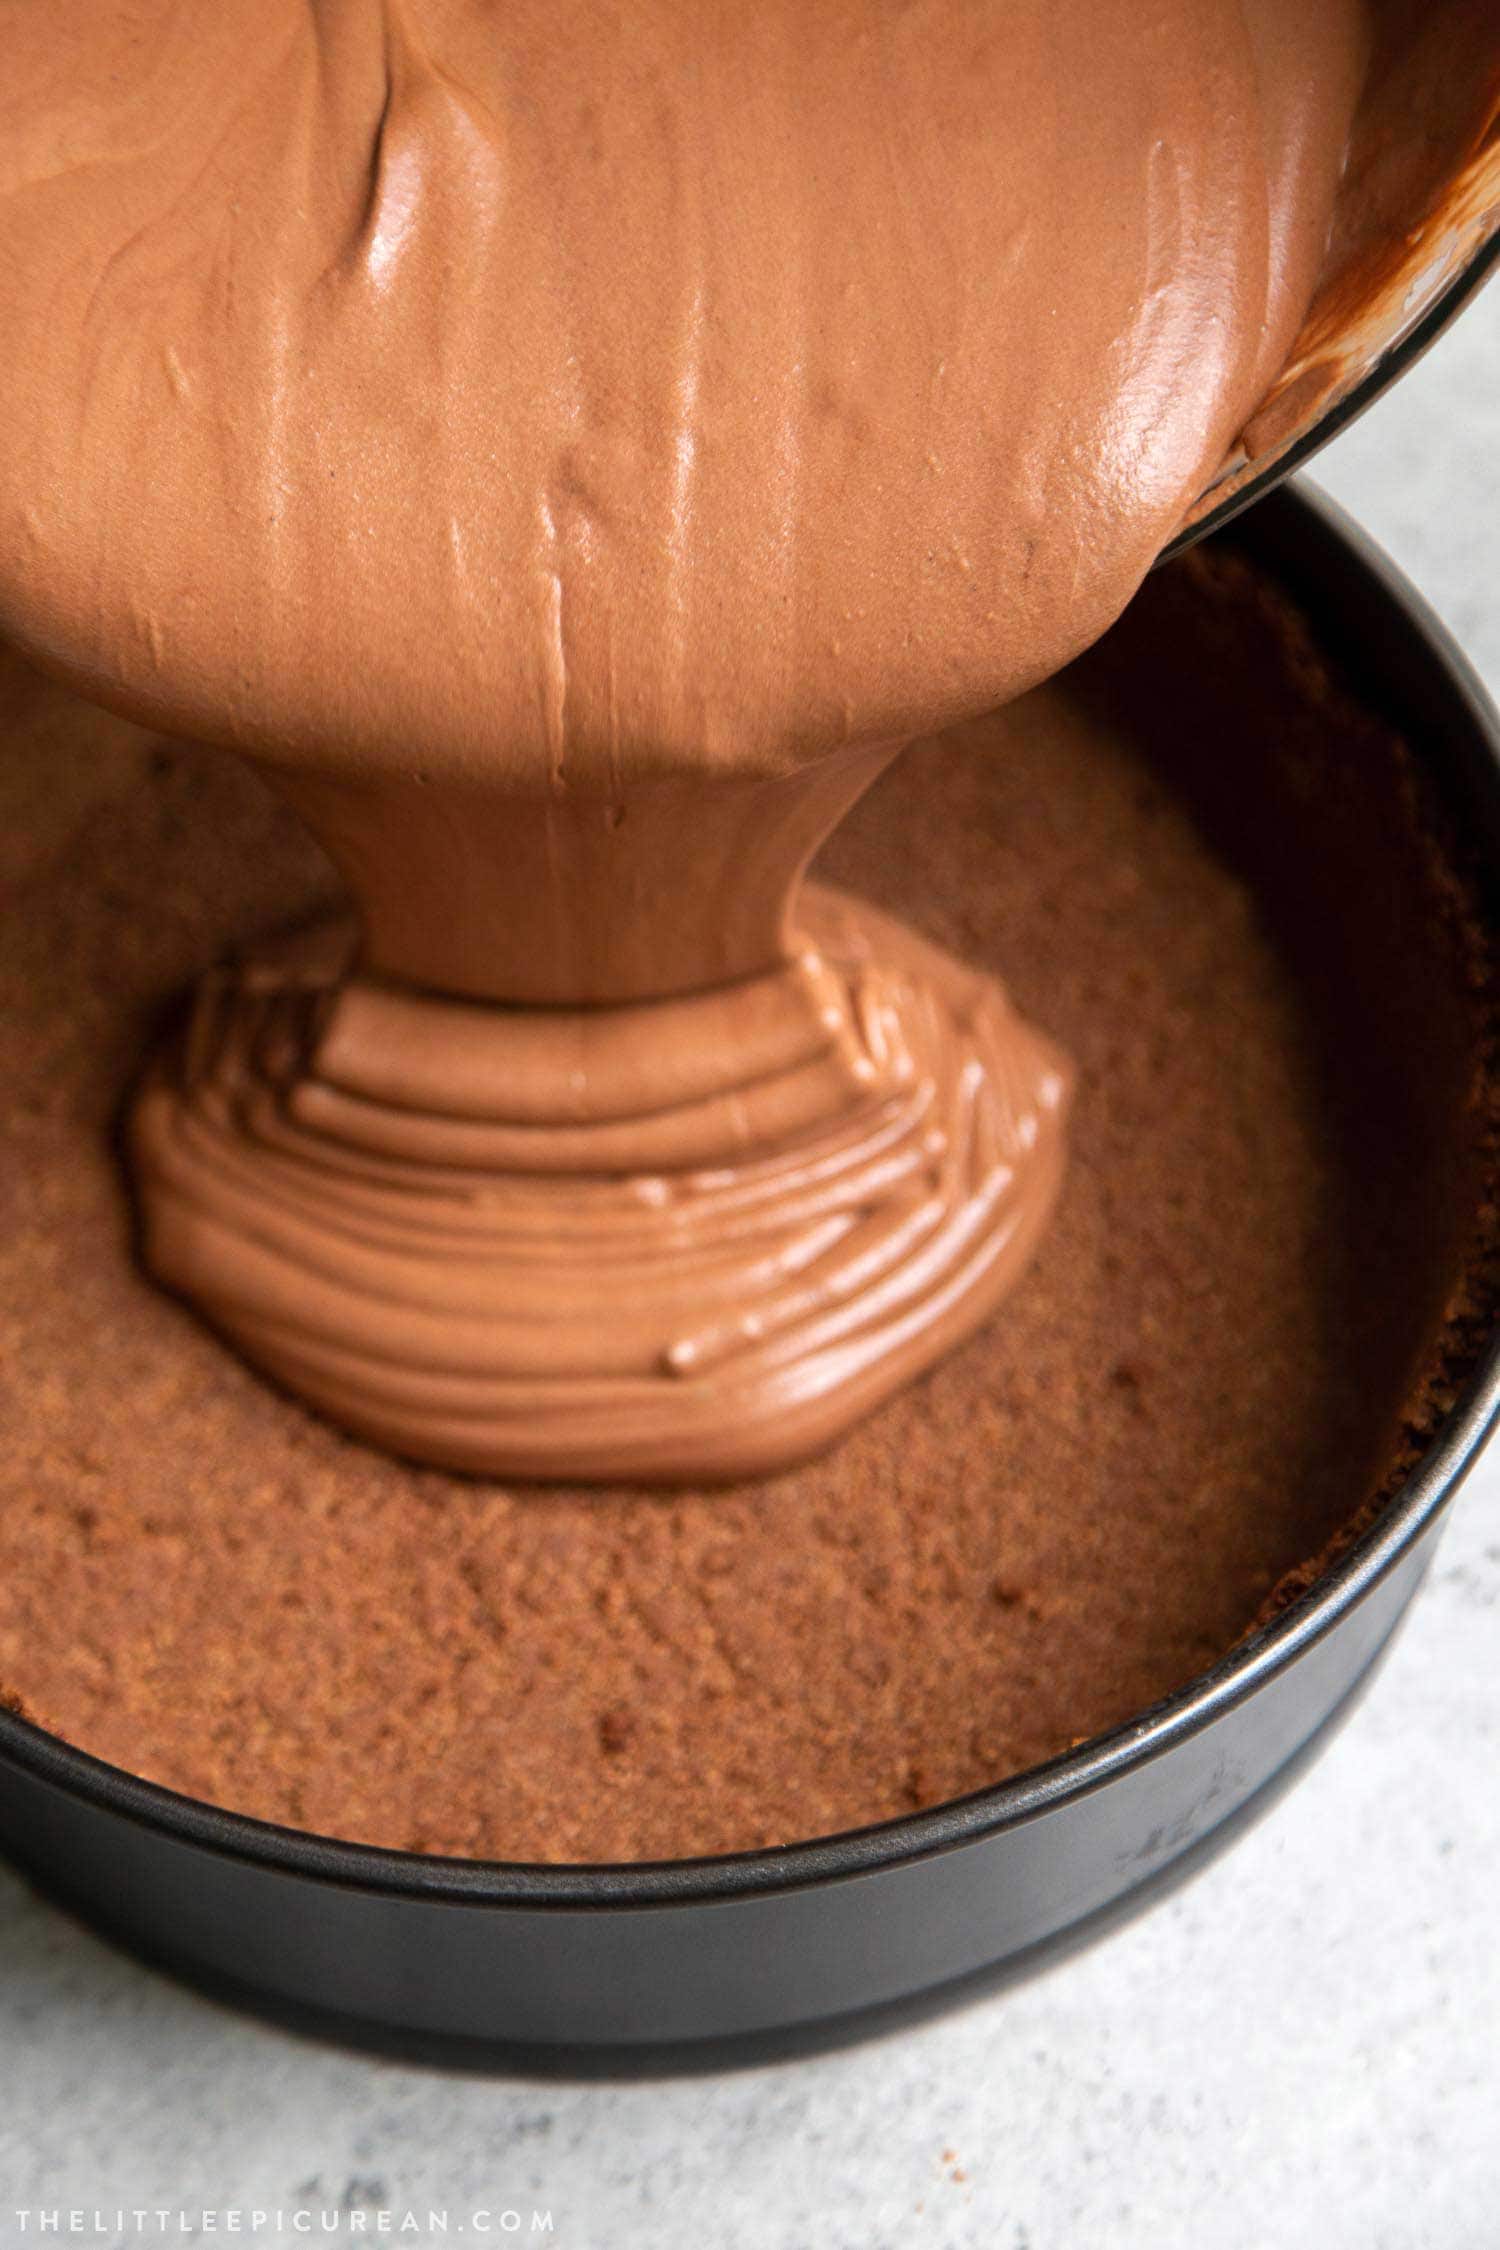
1259, 479
1247, 1667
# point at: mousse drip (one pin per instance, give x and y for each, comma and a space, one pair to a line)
455, 1237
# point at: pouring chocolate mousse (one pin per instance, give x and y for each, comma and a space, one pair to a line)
571, 454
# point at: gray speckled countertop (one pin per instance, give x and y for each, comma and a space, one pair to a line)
1303, 2046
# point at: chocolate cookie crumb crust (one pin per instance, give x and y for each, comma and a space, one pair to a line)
1200, 865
